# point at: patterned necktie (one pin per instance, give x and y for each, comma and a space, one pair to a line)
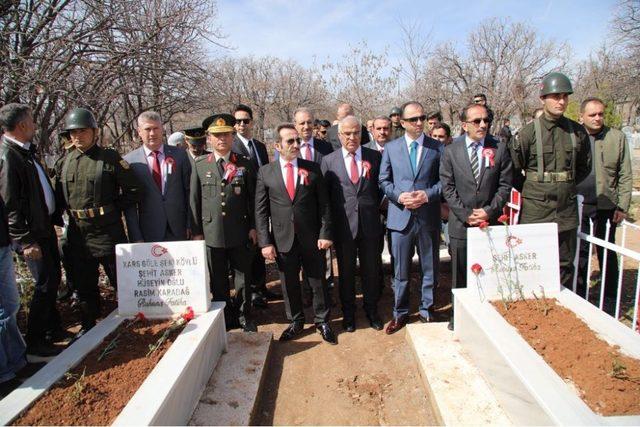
354, 169
156, 173
475, 164
413, 156
290, 184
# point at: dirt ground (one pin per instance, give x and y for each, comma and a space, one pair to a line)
369, 378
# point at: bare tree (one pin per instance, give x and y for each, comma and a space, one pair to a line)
363, 79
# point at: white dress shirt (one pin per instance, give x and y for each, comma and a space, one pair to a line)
283, 170
347, 160
469, 143
245, 142
47, 189
148, 154
420, 140
303, 149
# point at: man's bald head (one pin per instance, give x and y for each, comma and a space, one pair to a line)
344, 110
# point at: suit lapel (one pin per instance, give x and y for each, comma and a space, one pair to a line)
423, 156
405, 156
463, 154
169, 152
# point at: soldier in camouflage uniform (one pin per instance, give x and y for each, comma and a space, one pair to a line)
554, 154
94, 185
222, 203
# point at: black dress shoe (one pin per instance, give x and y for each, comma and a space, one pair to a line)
349, 325
247, 325
41, 352
258, 301
375, 322
450, 325
292, 330
270, 296
327, 333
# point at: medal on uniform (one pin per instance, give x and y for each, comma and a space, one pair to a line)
208, 175
237, 189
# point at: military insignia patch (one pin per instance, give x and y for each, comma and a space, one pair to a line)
220, 122
124, 164
237, 189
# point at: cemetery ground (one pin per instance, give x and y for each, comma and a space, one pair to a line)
369, 378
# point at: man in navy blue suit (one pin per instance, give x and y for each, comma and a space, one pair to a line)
410, 179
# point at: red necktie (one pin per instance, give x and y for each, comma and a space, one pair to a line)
354, 169
307, 152
291, 186
157, 175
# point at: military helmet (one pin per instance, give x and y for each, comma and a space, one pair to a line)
555, 83
80, 118
395, 110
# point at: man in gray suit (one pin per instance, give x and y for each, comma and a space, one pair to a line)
165, 174
351, 175
475, 174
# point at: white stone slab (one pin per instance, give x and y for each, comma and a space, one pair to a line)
29, 391
162, 279
171, 391
527, 388
232, 392
535, 251
458, 393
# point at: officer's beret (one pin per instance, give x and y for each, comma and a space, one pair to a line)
219, 123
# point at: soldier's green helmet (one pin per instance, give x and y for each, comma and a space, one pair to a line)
555, 83
80, 118
395, 110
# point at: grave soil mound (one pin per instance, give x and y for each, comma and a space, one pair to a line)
607, 380
107, 385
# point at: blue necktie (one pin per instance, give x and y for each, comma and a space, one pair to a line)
413, 156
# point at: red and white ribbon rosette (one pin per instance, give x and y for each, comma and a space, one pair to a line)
230, 171
304, 174
169, 162
489, 155
366, 169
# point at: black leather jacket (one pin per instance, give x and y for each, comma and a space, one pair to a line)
27, 214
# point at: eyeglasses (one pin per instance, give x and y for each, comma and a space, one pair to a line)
243, 121
480, 120
415, 119
292, 141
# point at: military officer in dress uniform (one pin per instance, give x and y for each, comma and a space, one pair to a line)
222, 205
554, 153
94, 184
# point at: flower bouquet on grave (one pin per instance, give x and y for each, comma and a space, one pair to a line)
182, 320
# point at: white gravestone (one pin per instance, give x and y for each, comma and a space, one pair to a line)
162, 279
526, 254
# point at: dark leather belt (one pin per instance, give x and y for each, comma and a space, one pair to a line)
91, 212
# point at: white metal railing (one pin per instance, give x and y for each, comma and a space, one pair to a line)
607, 246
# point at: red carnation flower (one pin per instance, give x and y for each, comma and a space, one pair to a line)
484, 225
504, 218
476, 269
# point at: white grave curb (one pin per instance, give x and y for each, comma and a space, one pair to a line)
527, 388
168, 395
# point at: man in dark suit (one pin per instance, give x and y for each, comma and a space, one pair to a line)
311, 149
351, 174
222, 205
291, 195
409, 178
164, 172
249, 147
344, 110
31, 211
476, 175
382, 135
